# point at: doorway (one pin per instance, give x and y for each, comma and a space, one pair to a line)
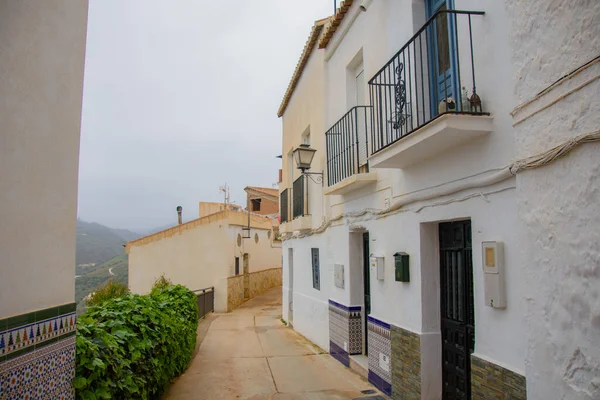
291, 286
246, 276
367, 290
441, 39
457, 308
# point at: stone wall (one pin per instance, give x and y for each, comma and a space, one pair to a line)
490, 381
235, 292
259, 282
406, 364
263, 280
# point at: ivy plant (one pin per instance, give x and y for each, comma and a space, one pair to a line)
131, 347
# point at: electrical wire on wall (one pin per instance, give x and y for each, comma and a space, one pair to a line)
536, 161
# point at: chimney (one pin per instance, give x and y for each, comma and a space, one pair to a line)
179, 210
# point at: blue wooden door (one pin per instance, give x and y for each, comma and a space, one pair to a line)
442, 55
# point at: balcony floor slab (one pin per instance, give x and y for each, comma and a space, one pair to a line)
438, 136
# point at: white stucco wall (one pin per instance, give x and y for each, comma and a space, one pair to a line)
558, 204
203, 255
42, 47
196, 258
263, 255
305, 113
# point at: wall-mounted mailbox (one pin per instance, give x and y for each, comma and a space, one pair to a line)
402, 267
377, 265
493, 274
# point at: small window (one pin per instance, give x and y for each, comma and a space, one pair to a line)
255, 204
237, 265
316, 271
256, 238
239, 240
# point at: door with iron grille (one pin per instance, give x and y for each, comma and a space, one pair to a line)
457, 312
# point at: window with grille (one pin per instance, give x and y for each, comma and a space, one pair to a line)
316, 270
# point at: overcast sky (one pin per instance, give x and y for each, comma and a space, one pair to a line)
181, 97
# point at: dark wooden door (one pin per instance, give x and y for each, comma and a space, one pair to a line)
457, 313
367, 287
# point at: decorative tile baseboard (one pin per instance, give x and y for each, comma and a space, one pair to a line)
37, 354
380, 354
345, 331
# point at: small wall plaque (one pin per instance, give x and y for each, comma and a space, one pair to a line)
338, 275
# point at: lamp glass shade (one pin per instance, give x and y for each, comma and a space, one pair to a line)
303, 155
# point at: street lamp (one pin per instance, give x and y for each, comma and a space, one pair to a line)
304, 155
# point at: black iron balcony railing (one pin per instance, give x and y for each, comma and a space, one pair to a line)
284, 206
300, 197
348, 145
205, 299
431, 75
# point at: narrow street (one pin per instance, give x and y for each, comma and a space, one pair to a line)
250, 354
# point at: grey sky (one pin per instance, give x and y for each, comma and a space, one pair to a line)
181, 97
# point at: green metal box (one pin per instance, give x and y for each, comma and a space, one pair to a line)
402, 268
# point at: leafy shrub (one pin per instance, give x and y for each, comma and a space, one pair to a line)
132, 347
161, 283
110, 290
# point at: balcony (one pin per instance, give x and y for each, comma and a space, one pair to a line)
425, 99
347, 143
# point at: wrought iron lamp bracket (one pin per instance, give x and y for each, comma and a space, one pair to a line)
316, 177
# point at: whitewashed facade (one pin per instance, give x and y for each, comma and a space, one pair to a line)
437, 188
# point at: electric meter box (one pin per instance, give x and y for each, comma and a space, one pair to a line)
493, 274
377, 266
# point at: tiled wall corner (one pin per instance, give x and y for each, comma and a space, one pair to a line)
37, 354
380, 352
488, 380
406, 364
345, 332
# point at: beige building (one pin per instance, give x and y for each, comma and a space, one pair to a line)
42, 48
234, 251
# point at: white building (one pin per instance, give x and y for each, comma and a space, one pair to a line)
234, 252
411, 251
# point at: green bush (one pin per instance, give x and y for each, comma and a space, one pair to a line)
110, 290
133, 346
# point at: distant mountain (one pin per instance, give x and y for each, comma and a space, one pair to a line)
97, 243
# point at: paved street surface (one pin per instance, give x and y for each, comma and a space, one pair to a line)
250, 354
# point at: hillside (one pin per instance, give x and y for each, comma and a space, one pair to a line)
97, 243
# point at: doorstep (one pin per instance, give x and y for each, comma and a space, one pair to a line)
360, 364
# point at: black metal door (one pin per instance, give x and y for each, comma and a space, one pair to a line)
367, 287
458, 317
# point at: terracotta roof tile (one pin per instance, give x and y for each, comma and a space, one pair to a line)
308, 48
336, 20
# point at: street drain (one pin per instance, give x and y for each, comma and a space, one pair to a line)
369, 398
368, 391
